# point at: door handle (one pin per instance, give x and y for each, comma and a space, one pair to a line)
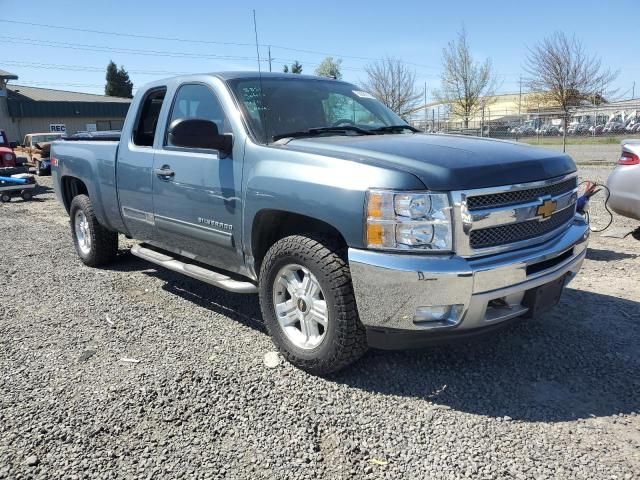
164, 172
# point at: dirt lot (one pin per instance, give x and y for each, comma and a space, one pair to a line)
135, 372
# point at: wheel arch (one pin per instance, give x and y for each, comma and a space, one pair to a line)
271, 225
71, 187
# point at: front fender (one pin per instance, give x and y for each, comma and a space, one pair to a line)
327, 189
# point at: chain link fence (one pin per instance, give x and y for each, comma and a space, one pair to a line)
610, 120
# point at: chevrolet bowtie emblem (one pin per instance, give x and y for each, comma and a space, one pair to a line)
546, 209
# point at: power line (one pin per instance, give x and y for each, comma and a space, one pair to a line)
171, 54
110, 49
82, 68
207, 42
121, 34
28, 83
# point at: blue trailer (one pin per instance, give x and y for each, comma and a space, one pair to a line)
22, 184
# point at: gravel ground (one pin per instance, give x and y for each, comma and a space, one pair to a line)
589, 153
557, 397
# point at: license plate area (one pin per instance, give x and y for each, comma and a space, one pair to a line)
543, 298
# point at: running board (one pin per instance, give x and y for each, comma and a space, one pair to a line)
208, 276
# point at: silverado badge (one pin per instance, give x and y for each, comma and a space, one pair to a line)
546, 208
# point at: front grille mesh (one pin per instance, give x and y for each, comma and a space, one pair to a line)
515, 232
519, 196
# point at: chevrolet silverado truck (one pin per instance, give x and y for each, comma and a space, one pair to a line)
355, 229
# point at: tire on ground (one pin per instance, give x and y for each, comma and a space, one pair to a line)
104, 242
345, 337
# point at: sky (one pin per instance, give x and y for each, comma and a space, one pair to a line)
214, 36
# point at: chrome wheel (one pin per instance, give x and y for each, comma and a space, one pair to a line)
300, 306
83, 234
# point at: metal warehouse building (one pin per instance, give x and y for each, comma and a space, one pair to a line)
26, 109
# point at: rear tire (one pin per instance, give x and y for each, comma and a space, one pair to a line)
5, 198
319, 261
95, 244
26, 195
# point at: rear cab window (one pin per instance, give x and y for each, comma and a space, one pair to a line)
147, 122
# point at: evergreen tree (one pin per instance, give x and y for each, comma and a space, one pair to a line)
296, 67
118, 82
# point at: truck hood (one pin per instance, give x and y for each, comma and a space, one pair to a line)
445, 162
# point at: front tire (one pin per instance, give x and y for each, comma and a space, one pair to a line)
94, 244
308, 305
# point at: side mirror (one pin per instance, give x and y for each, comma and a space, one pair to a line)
199, 133
13, 144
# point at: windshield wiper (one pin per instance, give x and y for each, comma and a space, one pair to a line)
311, 132
394, 129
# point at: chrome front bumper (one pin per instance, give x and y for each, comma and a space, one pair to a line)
390, 287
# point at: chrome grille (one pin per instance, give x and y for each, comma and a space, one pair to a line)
516, 232
498, 219
514, 197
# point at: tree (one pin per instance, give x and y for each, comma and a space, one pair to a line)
296, 67
465, 83
330, 68
118, 82
561, 72
393, 83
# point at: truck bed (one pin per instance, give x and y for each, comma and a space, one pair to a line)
93, 163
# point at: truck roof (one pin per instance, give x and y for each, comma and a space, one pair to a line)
235, 75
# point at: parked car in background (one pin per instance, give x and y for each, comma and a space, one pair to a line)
614, 126
624, 181
549, 129
36, 148
578, 128
596, 129
633, 124
10, 164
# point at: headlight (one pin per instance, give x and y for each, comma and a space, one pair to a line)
408, 220
8, 157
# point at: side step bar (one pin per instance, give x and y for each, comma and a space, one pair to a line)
193, 271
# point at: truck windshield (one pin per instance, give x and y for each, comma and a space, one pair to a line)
276, 107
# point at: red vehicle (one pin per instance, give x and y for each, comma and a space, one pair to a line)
8, 162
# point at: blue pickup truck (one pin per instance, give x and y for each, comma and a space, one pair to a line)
355, 229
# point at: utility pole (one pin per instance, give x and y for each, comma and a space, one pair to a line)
425, 106
633, 90
270, 58
520, 100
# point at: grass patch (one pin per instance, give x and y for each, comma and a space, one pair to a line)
571, 140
